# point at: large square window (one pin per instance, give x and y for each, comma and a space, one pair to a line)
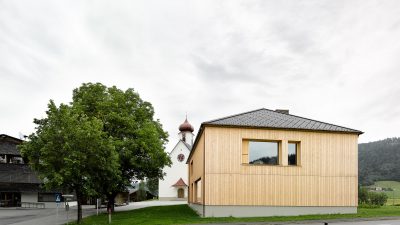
263, 152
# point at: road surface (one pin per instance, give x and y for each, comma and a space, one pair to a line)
22, 216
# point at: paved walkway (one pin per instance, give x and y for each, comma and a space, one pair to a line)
138, 205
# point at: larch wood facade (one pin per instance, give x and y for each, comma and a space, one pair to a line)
326, 173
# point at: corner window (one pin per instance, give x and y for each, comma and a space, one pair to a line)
292, 153
264, 152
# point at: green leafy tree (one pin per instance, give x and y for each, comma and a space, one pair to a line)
128, 122
71, 152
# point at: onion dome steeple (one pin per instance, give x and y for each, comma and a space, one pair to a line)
186, 126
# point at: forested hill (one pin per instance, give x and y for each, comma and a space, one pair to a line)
379, 160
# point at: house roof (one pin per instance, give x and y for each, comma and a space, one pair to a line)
22, 187
270, 119
17, 173
8, 145
265, 118
179, 183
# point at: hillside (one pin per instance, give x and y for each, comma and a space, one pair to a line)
379, 160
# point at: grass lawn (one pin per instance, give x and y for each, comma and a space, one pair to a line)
182, 214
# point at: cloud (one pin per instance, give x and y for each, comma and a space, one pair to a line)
335, 61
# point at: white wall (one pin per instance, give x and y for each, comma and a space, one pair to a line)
174, 173
188, 137
29, 197
33, 197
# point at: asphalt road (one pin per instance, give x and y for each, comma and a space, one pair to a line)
22, 216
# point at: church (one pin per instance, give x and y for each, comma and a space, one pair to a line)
174, 185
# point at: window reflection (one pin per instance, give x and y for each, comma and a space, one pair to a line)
263, 152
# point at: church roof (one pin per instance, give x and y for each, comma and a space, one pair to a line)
187, 145
186, 126
179, 183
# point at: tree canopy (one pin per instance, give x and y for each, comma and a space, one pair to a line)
71, 152
98, 143
128, 121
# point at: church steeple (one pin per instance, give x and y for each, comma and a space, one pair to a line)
186, 132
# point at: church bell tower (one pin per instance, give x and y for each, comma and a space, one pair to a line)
186, 132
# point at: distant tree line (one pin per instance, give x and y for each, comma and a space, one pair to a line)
379, 161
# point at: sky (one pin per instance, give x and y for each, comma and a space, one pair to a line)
333, 61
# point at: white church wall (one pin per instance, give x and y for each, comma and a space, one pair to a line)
174, 173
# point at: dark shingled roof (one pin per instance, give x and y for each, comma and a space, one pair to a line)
265, 118
12, 187
17, 173
8, 145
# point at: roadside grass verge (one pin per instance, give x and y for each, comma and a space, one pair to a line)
183, 214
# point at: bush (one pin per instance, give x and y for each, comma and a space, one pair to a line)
368, 199
363, 196
377, 198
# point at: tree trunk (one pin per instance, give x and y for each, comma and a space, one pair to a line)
111, 201
79, 200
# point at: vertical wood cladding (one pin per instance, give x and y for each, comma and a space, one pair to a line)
196, 170
326, 175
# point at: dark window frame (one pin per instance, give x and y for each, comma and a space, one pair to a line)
297, 144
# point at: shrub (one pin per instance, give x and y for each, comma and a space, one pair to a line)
377, 198
363, 196
368, 199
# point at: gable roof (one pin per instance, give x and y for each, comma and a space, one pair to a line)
265, 118
189, 147
269, 119
179, 183
8, 145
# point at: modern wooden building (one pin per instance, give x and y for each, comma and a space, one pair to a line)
267, 163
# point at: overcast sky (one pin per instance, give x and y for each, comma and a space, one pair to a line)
334, 61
